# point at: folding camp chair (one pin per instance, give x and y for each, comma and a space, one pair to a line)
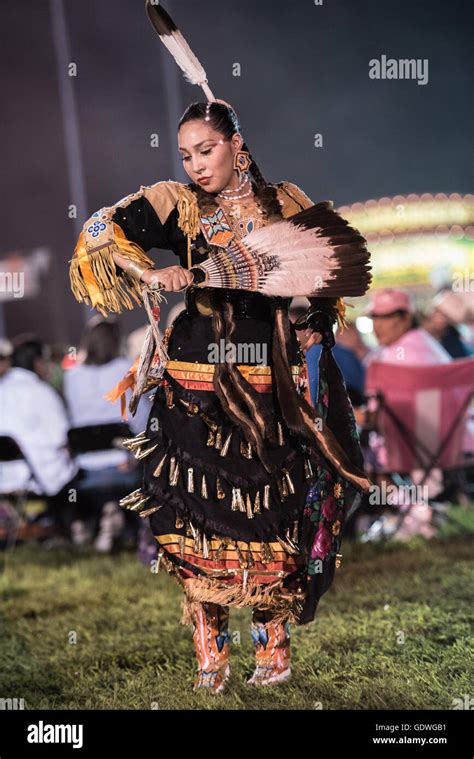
10, 451
422, 414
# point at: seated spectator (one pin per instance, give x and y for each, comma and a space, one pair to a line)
403, 342
399, 337
449, 311
33, 414
98, 368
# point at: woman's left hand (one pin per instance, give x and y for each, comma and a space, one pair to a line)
308, 338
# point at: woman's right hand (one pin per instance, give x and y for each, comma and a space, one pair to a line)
174, 278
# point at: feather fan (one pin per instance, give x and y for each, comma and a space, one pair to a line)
313, 252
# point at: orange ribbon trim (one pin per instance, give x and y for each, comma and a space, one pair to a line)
199, 376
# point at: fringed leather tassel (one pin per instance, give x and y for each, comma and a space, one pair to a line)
234, 505
211, 438
308, 469
241, 557
178, 522
294, 536
225, 447
213, 427
205, 547
190, 482
256, 505
148, 512
246, 449
248, 504
174, 471
132, 443
204, 493
139, 454
288, 546
112, 290
133, 496
267, 553
289, 481
290, 541
134, 501
160, 466
220, 493
341, 313
218, 441
268, 596
266, 497
191, 408
281, 437
220, 550
169, 392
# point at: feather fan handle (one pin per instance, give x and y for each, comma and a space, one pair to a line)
314, 252
172, 38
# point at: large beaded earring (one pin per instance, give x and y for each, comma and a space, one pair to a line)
242, 160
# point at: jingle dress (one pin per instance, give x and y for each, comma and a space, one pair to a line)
227, 530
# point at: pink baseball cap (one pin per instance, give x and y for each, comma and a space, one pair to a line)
387, 301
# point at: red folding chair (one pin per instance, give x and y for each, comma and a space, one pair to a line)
423, 415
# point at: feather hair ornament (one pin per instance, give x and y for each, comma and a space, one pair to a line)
314, 252
172, 38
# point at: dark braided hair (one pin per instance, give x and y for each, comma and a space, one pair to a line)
238, 398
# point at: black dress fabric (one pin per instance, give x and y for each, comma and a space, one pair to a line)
186, 436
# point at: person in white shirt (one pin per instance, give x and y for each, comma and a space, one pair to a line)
33, 414
97, 371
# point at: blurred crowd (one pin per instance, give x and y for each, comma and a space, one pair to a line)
62, 467
417, 429
63, 470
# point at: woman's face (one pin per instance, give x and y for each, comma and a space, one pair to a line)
206, 155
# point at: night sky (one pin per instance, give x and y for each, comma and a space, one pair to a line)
304, 70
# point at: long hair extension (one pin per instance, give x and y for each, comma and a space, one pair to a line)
232, 401
300, 417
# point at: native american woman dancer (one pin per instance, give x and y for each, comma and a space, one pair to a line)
245, 485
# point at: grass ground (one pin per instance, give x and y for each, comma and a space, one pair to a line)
394, 632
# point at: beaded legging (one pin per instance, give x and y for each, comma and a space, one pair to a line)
211, 639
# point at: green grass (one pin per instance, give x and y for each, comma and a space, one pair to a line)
394, 632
